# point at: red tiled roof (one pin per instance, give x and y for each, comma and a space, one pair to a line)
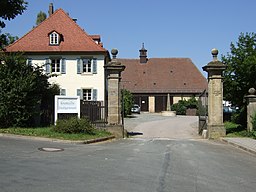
75, 39
162, 75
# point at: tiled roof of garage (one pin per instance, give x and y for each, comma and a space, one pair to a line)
162, 75
74, 38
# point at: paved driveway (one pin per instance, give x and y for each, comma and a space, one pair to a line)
154, 125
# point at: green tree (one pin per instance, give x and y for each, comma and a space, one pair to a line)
9, 9
240, 74
41, 16
7, 39
22, 88
127, 102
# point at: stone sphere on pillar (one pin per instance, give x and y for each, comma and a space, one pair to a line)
215, 54
252, 91
114, 52
215, 51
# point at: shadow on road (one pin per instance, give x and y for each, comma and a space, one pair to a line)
134, 133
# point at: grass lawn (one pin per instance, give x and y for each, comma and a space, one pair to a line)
235, 130
47, 132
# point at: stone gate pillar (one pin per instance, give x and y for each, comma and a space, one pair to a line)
251, 108
113, 77
215, 126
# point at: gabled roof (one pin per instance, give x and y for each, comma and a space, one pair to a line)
74, 38
162, 75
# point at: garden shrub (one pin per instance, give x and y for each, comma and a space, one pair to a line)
127, 100
254, 122
179, 107
74, 125
183, 105
192, 103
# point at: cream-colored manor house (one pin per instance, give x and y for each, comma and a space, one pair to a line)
63, 48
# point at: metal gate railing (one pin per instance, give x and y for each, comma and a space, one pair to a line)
95, 111
202, 111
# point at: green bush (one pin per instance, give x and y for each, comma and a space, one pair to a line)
192, 103
179, 107
127, 100
74, 125
183, 105
232, 127
244, 133
254, 122
236, 130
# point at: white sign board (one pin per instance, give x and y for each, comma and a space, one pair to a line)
66, 104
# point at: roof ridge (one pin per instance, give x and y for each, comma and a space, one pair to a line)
169, 58
159, 58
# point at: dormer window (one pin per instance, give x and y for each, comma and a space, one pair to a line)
54, 38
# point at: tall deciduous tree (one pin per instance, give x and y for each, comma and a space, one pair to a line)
9, 9
240, 74
41, 16
22, 90
7, 39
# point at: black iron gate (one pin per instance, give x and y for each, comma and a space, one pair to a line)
202, 108
95, 111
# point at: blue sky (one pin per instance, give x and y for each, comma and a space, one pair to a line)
169, 28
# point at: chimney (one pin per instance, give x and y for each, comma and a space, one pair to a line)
51, 10
143, 54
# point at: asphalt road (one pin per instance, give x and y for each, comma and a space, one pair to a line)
142, 164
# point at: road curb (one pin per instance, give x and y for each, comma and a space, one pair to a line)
240, 146
97, 140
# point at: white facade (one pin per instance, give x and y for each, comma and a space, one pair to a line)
70, 76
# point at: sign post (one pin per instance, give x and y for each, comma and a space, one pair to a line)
66, 104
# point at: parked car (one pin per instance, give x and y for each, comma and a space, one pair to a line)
228, 109
227, 112
135, 108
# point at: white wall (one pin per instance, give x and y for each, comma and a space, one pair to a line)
71, 81
186, 97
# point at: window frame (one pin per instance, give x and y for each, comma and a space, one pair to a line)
83, 93
56, 65
87, 66
54, 38
87, 94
